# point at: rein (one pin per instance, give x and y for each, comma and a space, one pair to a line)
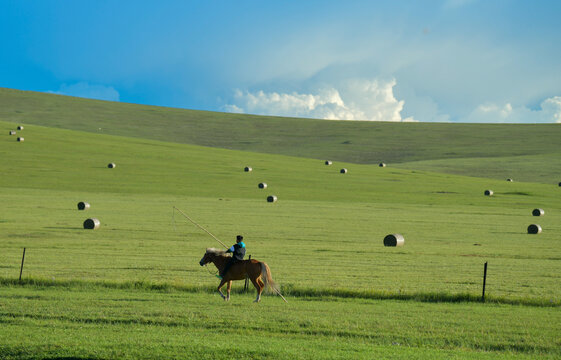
209, 271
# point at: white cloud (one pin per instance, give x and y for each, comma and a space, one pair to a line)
356, 100
86, 90
552, 107
549, 112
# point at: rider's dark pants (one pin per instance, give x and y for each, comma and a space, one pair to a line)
229, 264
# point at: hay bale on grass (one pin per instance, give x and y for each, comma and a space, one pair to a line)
20, 127
382, 165
271, 198
538, 212
247, 169
92, 224
262, 186
488, 192
394, 240
83, 205
328, 162
534, 229
20, 139
509, 180
111, 165
343, 171
12, 132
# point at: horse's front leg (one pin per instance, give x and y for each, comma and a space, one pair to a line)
229, 288
220, 291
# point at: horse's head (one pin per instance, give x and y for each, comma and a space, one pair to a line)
209, 255
205, 260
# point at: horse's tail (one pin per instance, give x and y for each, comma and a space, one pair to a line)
268, 280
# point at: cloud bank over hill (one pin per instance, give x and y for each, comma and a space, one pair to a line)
368, 100
549, 112
374, 100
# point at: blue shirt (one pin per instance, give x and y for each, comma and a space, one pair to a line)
237, 250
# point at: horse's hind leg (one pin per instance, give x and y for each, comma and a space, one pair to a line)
259, 285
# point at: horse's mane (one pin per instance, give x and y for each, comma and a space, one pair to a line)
216, 251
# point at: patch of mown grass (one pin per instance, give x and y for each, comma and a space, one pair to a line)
101, 284
288, 291
430, 297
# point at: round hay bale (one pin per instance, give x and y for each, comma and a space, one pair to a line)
247, 169
111, 165
83, 205
271, 198
382, 165
12, 132
20, 127
20, 139
489, 192
343, 171
560, 184
328, 162
509, 180
538, 212
92, 224
394, 240
534, 229
262, 186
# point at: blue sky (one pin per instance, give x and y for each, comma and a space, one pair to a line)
449, 60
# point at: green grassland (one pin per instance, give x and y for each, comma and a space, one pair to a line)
482, 146
544, 168
331, 219
134, 288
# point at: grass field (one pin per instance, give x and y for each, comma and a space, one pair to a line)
134, 288
98, 322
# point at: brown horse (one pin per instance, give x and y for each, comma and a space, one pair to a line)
257, 271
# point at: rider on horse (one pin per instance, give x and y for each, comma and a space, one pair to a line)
238, 252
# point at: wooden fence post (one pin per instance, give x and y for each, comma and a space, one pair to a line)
484, 281
22, 260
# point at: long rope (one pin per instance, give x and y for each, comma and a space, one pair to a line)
200, 227
278, 292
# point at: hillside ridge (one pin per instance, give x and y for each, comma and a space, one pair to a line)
362, 142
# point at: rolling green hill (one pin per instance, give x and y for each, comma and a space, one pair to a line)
466, 149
